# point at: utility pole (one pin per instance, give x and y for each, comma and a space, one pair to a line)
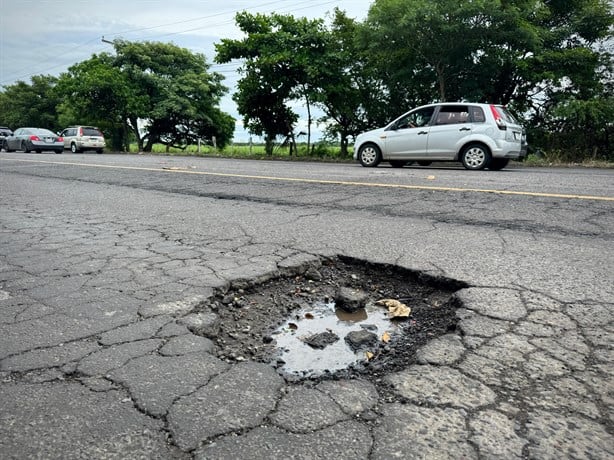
106, 41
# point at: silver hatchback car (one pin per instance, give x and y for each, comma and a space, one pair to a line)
478, 135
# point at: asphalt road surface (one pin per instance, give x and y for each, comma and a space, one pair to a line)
107, 260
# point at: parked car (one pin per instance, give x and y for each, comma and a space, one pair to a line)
81, 138
478, 135
4, 132
37, 139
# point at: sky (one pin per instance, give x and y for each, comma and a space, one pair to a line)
46, 37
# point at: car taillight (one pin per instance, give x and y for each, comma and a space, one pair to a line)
34, 138
80, 132
60, 139
498, 119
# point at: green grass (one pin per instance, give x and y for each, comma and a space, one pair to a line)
330, 153
556, 160
320, 152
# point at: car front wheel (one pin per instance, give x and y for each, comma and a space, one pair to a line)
74, 149
369, 155
475, 157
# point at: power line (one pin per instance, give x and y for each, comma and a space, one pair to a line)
293, 7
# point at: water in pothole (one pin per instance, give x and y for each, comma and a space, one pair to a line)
297, 357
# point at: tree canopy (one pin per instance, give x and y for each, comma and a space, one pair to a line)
149, 91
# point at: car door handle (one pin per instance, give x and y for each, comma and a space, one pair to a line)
423, 132
465, 129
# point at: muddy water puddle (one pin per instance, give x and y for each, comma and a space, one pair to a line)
298, 356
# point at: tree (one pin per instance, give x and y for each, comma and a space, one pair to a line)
283, 56
96, 92
495, 50
158, 92
346, 89
34, 105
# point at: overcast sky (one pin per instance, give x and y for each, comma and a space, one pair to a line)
45, 37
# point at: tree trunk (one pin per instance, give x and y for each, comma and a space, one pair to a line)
441, 79
268, 145
344, 143
135, 129
308, 121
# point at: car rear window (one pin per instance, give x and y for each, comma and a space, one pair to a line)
506, 115
91, 132
477, 114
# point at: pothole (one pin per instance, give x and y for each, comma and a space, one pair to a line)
295, 323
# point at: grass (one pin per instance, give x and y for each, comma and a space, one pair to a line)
330, 153
319, 152
555, 160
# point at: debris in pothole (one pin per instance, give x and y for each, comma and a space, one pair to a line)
350, 299
396, 309
321, 340
361, 340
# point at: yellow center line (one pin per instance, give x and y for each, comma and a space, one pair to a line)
327, 182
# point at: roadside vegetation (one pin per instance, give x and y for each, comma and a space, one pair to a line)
550, 62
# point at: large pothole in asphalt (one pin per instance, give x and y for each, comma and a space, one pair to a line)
335, 319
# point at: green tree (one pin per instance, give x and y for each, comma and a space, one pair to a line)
34, 104
495, 50
177, 95
96, 92
283, 57
345, 88
152, 92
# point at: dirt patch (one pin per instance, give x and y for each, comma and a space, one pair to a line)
250, 317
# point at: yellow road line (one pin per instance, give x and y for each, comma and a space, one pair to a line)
327, 182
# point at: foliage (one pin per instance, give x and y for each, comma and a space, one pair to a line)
174, 93
97, 93
32, 105
281, 55
150, 92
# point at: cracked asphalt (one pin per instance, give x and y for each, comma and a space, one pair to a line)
104, 257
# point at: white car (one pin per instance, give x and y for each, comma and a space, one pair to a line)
81, 138
478, 135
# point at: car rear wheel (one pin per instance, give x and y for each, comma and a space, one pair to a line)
59, 151
475, 157
38, 151
369, 155
25, 148
497, 164
424, 163
99, 151
397, 163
